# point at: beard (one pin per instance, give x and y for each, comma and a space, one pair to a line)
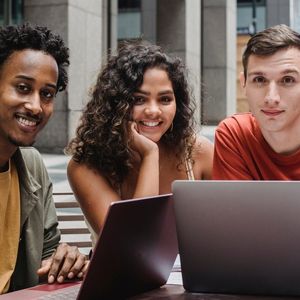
19, 143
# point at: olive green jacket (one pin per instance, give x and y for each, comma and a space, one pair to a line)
39, 235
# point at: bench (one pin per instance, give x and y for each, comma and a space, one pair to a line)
72, 226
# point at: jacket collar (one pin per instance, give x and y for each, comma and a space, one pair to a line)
28, 186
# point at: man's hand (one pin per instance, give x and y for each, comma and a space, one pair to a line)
65, 262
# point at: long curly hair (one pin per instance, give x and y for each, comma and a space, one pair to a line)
103, 139
27, 36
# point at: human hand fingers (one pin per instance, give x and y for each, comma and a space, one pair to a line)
83, 271
140, 143
71, 256
78, 268
45, 267
134, 135
58, 259
133, 126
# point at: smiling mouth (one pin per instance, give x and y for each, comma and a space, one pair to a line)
28, 121
150, 124
272, 112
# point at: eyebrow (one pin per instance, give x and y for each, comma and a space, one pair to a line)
288, 71
166, 92
32, 79
255, 73
284, 72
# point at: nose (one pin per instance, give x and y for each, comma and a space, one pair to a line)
153, 109
272, 96
33, 104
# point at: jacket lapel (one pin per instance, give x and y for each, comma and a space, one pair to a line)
28, 187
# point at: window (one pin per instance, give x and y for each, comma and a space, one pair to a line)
251, 16
129, 19
11, 12
295, 14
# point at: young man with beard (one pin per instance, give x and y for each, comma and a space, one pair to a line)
33, 64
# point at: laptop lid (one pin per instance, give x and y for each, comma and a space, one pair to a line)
239, 236
135, 251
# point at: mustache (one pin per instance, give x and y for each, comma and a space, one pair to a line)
31, 117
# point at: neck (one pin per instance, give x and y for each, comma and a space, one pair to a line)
5, 155
283, 143
163, 149
4, 168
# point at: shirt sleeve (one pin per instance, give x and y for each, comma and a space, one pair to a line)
229, 162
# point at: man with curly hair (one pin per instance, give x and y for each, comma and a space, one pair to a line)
33, 63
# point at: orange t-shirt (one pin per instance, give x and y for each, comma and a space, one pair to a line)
10, 212
242, 153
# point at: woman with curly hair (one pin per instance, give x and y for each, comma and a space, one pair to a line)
136, 134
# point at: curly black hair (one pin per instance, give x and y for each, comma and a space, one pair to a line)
102, 138
27, 36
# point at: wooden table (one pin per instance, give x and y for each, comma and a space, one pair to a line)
169, 291
177, 292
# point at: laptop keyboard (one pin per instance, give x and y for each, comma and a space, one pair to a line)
68, 293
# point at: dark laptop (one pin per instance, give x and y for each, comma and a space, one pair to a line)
135, 253
239, 237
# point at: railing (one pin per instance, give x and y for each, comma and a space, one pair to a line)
73, 228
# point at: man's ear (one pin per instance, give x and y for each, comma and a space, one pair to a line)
242, 80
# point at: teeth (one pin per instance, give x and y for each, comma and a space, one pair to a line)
150, 124
26, 122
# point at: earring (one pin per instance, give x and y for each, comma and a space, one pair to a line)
171, 127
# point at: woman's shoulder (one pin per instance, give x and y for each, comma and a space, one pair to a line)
73, 165
202, 155
79, 169
202, 147
80, 174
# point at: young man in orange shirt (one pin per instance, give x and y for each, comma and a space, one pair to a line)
264, 144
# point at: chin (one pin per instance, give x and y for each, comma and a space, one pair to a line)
153, 139
21, 143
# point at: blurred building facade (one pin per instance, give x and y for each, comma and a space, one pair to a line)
202, 32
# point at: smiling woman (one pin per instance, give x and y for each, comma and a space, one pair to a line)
137, 132
154, 106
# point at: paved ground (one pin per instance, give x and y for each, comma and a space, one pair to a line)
57, 166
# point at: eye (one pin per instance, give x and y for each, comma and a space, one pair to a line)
259, 80
47, 94
23, 88
166, 99
288, 80
138, 100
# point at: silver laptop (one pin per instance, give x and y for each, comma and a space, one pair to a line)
135, 253
240, 237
